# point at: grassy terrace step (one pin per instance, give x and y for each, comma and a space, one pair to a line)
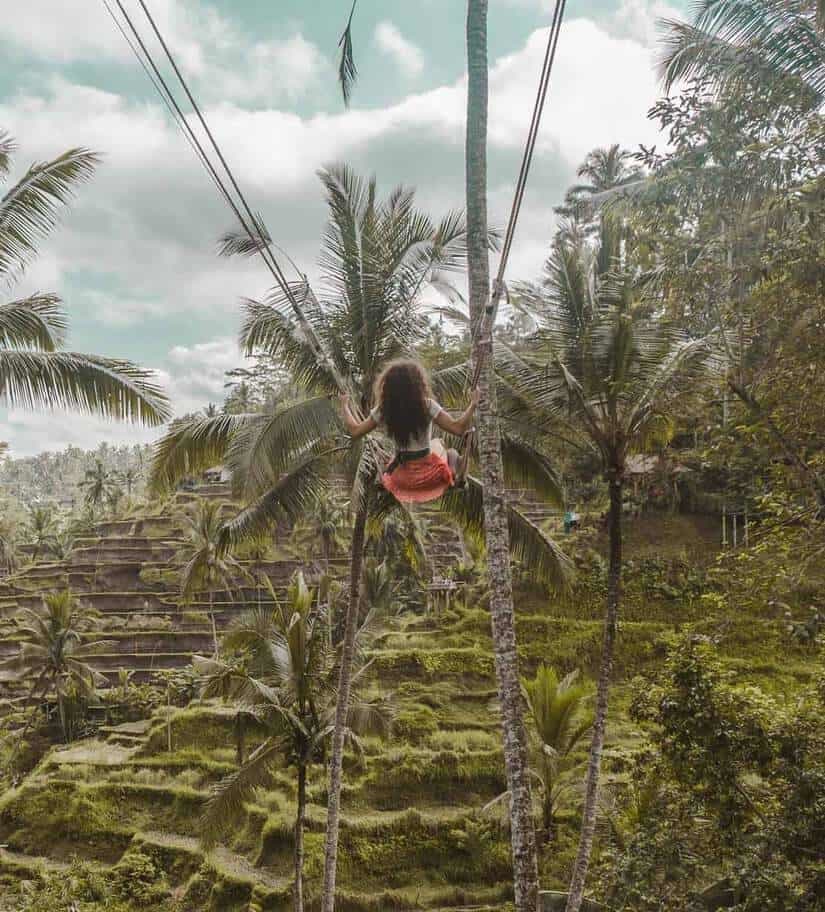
105, 554
236, 865
27, 866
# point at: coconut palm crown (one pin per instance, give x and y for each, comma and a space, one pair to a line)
730, 43
34, 372
377, 258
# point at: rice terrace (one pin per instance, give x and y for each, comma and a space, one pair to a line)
412, 478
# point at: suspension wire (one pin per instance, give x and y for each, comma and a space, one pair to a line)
168, 100
484, 322
532, 136
258, 235
259, 239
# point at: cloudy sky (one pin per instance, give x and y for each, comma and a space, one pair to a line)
135, 257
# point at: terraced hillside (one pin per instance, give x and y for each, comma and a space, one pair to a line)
125, 804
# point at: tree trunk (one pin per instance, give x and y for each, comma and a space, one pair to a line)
299, 837
342, 711
214, 626
61, 713
523, 837
591, 791
240, 738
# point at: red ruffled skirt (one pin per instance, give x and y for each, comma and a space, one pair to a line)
419, 480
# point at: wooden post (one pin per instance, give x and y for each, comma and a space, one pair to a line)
747, 529
733, 521
724, 525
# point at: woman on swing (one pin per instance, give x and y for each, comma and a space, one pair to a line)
422, 469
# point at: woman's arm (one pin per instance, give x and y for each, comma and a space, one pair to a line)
356, 428
463, 423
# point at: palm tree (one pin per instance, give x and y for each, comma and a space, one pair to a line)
603, 170
206, 564
767, 43
33, 372
377, 258
380, 588
100, 484
610, 375
559, 720
43, 530
53, 654
287, 685
497, 534
325, 531
9, 542
130, 478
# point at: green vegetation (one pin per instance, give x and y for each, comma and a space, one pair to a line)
250, 695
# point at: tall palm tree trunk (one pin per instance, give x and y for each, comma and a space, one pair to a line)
212, 619
299, 837
342, 710
591, 792
525, 866
61, 712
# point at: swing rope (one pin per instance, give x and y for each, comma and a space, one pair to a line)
262, 243
483, 327
249, 222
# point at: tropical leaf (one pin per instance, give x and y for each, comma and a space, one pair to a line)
36, 322
191, 446
29, 210
528, 543
261, 451
228, 797
347, 70
526, 466
290, 497
7, 147
734, 42
84, 383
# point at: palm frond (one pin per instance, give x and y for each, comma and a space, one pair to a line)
84, 383
526, 466
528, 543
370, 717
261, 451
270, 327
292, 496
239, 243
192, 445
36, 322
347, 71
29, 210
740, 41
227, 799
7, 147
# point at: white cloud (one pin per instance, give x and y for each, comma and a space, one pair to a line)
640, 20
407, 56
142, 235
192, 376
288, 68
221, 60
196, 374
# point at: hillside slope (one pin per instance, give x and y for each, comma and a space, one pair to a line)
124, 805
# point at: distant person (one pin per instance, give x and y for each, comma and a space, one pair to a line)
422, 468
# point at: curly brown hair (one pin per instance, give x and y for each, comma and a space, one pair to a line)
402, 391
